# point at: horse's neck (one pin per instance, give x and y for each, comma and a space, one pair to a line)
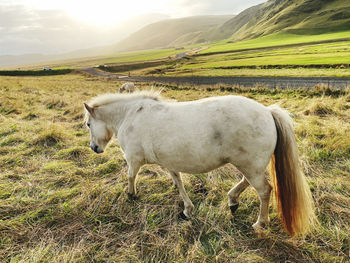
116, 114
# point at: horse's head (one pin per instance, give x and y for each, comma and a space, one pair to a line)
100, 135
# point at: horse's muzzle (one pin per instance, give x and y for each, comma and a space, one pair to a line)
96, 149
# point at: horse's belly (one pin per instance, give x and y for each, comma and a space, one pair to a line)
191, 167
194, 169
188, 158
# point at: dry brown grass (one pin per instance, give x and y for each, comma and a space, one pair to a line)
60, 202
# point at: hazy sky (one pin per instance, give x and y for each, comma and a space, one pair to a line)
46, 26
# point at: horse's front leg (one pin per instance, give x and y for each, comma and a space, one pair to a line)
187, 201
134, 168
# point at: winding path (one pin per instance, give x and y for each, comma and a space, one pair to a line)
268, 82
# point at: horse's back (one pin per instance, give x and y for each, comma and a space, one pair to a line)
229, 115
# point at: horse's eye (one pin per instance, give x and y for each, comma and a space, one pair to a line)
88, 124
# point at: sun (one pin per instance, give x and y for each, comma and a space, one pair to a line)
107, 12
99, 12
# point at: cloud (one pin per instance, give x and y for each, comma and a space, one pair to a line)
26, 30
209, 7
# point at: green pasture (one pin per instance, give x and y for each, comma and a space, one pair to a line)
143, 55
331, 50
277, 39
290, 59
246, 72
118, 58
327, 59
288, 54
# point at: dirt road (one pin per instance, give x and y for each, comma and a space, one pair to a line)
268, 82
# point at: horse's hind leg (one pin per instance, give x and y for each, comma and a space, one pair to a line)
187, 201
234, 194
263, 188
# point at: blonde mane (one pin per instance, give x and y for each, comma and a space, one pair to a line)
109, 98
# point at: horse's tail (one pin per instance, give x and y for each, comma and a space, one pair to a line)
293, 197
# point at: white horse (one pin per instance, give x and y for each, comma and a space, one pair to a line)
199, 136
129, 87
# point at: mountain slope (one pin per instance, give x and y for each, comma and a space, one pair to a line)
294, 16
104, 41
171, 32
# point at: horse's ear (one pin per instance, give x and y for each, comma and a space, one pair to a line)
89, 109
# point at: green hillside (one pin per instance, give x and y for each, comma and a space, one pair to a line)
276, 40
303, 17
173, 32
279, 54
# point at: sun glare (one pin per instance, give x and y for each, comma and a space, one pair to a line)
106, 12
100, 12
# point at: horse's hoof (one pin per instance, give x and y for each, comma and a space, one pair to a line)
233, 208
183, 216
260, 230
132, 197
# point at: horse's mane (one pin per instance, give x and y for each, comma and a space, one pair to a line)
109, 98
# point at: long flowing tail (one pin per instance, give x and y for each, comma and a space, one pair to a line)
294, 201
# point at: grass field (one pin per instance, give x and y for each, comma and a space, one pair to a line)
143, 55
281, 54
127, 57
282, 72
61, 202
276, 55
322, 59
277, 39
322, 54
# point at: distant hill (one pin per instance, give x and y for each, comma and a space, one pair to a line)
113, 34
174, 32
293, 16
